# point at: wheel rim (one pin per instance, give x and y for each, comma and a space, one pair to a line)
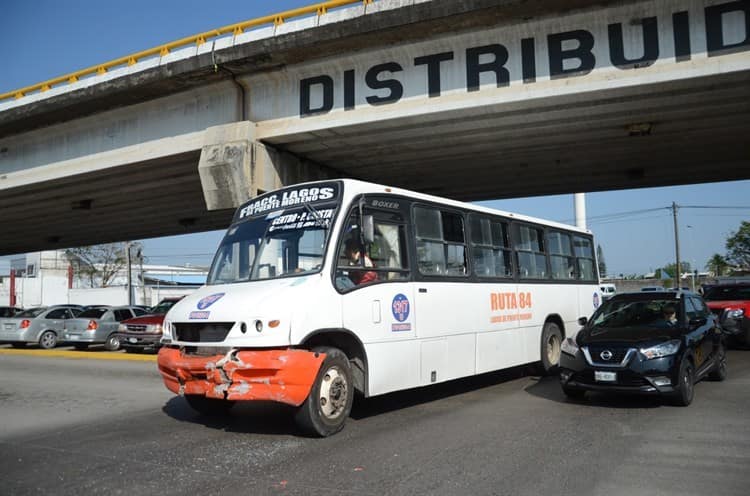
687, 382
334, 393
553, 349
113, 343
48, 340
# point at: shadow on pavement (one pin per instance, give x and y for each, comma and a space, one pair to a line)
548, 387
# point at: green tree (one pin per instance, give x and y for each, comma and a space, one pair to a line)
738, 246
717, 264
669, 269
600, 261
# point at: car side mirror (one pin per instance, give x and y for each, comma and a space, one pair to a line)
583, 321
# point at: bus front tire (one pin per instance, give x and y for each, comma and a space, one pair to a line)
329, 403
551, 347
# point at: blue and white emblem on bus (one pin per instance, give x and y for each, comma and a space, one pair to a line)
596, 300
209, 300
400, 309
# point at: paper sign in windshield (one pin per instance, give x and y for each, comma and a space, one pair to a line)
301, 220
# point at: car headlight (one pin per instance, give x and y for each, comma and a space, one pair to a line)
122, 328
661, 350
735, 313
154, 328
569, 346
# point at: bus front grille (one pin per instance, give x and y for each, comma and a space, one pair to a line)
214, 332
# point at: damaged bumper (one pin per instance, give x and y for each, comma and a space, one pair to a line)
281, 375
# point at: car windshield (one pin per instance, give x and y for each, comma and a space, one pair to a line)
283, 243
637, 313
92, 313
163, 307
30, 313
726, 293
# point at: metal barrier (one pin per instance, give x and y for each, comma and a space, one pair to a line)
198, 40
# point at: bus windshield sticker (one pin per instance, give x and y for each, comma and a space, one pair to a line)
302, 220
299, 195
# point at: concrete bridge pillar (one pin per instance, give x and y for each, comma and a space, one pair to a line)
234, 167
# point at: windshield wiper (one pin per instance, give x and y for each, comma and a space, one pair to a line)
319, 220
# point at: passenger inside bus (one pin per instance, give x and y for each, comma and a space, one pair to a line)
354, 253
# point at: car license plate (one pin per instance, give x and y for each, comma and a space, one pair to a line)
133, 340
605, 376
9, 326
74, 337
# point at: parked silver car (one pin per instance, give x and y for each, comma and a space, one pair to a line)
42, 325
98, 325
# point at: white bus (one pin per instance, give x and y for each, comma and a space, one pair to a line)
439, 290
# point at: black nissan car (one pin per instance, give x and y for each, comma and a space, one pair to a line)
658, 343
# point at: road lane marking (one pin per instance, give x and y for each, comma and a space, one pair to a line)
90, 355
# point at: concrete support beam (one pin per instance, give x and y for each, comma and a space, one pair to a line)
233, 167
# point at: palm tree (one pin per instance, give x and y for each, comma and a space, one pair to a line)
717, 264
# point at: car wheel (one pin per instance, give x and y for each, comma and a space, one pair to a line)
80, 346
112, 343
686, 388
574, 394
18, 345
211, 407
719, 372
48, 340
329, 403
551, 345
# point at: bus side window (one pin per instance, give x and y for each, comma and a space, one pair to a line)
490, 247
441, 244
561, 255
529, 245
583, 249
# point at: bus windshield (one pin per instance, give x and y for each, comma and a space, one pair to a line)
284, 243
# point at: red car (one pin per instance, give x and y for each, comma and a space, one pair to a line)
731, 303
144, 333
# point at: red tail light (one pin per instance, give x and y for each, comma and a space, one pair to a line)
25, 323
92, 325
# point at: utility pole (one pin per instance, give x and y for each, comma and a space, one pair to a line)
676, 245
130, 274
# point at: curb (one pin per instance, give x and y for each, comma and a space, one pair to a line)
84, 355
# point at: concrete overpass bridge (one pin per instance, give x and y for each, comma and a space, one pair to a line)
473, 100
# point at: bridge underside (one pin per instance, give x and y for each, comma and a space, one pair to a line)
684, 132
677, 133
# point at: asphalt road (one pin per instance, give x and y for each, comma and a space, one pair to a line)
76, 427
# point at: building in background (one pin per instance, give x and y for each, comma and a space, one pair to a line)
47, 278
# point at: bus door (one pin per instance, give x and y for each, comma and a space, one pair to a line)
373, 277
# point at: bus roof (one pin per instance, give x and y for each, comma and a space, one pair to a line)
353, 187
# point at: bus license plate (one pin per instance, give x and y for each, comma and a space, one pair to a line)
605, 376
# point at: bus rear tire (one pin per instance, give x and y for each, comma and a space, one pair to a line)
329, 403
551, 347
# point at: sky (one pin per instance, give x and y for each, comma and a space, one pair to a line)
49, 38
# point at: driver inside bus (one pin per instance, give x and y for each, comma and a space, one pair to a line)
355, 254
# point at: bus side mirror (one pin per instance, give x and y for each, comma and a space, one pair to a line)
368, 228
582, 321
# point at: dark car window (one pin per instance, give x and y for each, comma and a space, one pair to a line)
30, 313
59, 313
163, 307
727, 293
93, 313
123, 314
139, 311
691, 312
701, 309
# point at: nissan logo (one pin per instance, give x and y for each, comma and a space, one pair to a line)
606, 355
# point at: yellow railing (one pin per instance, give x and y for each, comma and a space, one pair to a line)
197, 40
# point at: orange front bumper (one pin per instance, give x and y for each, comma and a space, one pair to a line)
285, 376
